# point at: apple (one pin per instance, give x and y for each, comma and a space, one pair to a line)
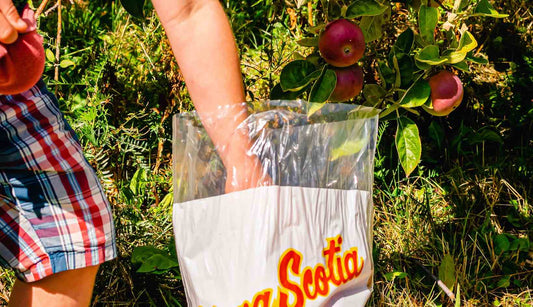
22, 63
342, 43
349, 83
446, 93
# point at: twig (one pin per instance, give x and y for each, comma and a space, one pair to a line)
439, 282
41, 7
310, 13
58, 45
48, 11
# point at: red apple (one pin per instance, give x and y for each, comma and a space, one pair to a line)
349, 83
22, 63
446, 93
341, 43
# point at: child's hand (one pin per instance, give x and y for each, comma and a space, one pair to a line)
246, 174
10, 22
22, 61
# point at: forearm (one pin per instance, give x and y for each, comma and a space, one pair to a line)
205, 49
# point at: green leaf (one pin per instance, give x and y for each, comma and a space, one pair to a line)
134, 7
50, 57
447, 271
452, 39
167, 200
141, 253
157, 262
277, 93
466, 44
386, 73
458, 296
501, 244
430, 55
359, 8
348, 148
308, 42
372, 26
374, 93
504, 282
408, 144
523, 244
397, 74
298, 74
416, 95
485, 135
405, 41
66, 63
462, 66
460, 5
428, 18
323, 87
406, 67
421, 65
314, 107
476, 59
484, 8
136, 181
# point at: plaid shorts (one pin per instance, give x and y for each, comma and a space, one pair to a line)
54, 215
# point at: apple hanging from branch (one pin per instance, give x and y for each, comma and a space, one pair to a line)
446, 93
342, 43
349, 83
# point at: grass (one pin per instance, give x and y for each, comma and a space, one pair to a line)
464, 215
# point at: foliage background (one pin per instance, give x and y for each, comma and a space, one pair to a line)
465, 214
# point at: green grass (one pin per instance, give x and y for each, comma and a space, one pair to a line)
469, 201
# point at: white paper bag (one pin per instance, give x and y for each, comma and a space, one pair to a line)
305, 240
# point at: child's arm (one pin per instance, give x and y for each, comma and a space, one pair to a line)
10, 22
204, 46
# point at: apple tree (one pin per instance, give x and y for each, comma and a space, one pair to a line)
419, 73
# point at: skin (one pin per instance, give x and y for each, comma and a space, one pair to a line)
211, 68
205, 49
10, 22
69, 289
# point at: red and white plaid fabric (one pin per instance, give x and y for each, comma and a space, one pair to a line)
54, 215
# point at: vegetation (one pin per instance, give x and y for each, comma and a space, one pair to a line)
462, 214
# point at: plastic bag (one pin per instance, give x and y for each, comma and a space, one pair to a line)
302, 235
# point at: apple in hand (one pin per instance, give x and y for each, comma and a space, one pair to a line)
349, 83
446, 93
342, 43
22, 63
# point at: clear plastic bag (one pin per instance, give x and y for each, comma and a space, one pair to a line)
302, 220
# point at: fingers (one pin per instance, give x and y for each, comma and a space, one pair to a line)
10, 12
10, 22
8, 34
